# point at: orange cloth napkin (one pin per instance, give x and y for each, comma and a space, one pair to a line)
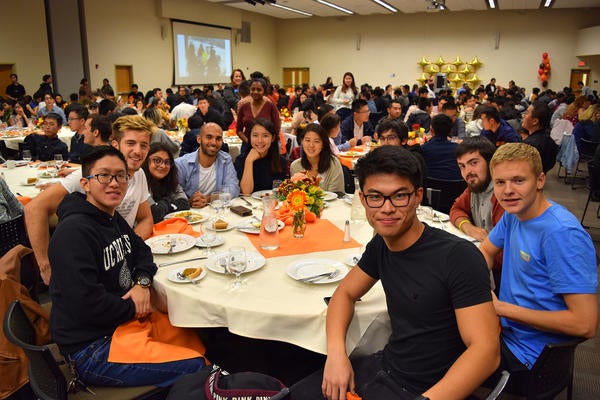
24, 199
153, 340
174, 225
321, 235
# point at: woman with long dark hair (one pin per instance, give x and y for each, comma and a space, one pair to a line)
161, 173
21, 116
318, 160
344, 95
305, 115
262, 163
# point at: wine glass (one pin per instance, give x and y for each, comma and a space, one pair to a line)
216, 203
225, 197
27, 155
237, 264
208, 236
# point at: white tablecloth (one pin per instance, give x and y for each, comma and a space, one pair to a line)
65, 135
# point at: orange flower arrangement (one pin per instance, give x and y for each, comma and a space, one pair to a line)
297, 199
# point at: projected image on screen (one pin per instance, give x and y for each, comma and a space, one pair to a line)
202, 54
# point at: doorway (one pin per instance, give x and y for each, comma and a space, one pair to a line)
5, 71
124, 76
295, 77
579, 75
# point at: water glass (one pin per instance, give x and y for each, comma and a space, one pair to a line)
237, 264
207, 236
216, 203
225, 197
27, 155
276, 184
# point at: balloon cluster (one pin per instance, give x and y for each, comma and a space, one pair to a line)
458, 71
544, 69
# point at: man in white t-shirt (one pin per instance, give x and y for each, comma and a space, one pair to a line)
207, 169
182, 110
132, 137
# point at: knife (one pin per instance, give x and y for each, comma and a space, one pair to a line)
246, 201
182, 261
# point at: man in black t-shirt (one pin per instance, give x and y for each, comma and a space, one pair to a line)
15, 91
444, 341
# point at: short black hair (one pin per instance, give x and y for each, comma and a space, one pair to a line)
106, 106
195, 121
491, 113
358, 104
80, 110
541, 112
480, 144
423, 103
54, 116
89, 158
441, 124
390, 160
398, 127
103, 124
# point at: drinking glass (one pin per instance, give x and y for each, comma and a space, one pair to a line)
207, 236
216, 203
276, 183
237, 264
27, 155
225, 197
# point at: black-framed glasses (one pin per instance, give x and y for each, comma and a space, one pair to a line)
106, 179
399, 199
388, 138
159, 161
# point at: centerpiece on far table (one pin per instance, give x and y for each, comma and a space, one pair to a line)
182, 126
303, 199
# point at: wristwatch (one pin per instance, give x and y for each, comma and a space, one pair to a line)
144, 281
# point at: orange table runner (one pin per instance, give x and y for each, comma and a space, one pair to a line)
346, 161
321, 235
174, 225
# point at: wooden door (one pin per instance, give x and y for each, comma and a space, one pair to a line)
296, 77
124, 76
579, 75
5, 71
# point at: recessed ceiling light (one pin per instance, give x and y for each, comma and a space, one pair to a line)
548, 3
328, 4
492, 3
291, 9
386, 5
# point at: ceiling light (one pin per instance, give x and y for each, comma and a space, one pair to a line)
291, 9
386, 5
326, 3
492, 3
547, 3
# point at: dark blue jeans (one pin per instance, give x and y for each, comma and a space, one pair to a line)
94, 369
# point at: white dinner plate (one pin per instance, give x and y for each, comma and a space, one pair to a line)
174, 278
209, 226
330, 196
303, 269
29, 184
46, 175
350, 259
192, 217
352, 153
255, 261
162, 243
217, 242
258, 195
255, 230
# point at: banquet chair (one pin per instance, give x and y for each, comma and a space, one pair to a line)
586, 153
551, 374
47, 374
13, 233
449, 191
594, 190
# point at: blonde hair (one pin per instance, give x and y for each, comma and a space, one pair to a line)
518, 152
590, 113
131, 122
575, 106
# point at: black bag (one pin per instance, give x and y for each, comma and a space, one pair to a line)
212, 383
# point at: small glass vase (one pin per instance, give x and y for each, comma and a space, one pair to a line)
299, 224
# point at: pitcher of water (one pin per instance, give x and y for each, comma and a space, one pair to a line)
269, 232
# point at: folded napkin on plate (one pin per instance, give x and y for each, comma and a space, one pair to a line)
174, 225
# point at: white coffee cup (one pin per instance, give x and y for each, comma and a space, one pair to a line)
10, 164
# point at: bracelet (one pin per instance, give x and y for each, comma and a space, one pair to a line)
462, 223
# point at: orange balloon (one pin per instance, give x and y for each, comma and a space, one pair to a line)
544, 77
546, 61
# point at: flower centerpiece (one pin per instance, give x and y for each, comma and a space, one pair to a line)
39, 122
417, 135
285, 114
302, 194
182, 123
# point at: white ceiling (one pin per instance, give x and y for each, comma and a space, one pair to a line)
367, 7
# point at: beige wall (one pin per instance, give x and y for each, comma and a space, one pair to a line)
394, 44
25, 42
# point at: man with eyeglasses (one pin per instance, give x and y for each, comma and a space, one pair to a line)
103, 279
78, 114
131, 135
207, 169
444, 341
356, 129
44, 147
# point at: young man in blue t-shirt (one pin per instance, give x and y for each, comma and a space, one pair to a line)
549, 275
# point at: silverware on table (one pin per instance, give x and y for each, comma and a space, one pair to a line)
171, 245
182, 261
246, 201
182, 277
314, 278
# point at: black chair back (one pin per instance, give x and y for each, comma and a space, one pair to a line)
449, 191
13, 233
45, 377
587, 149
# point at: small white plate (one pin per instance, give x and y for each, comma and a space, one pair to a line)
303, 269
255, 261
192, 217
29, 184
162, 243
330, 196
174, 278
258, 195
349, 259
256, 230
209, 226
46, 175
217, 242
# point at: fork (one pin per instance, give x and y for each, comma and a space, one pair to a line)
171, 246
185, 278
314, 278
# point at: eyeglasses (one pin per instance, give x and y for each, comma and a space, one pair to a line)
159, 161
106, 179
388, 138
74, 119
397, 199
